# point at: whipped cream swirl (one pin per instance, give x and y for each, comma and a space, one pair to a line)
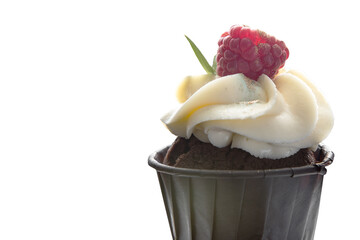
267, 118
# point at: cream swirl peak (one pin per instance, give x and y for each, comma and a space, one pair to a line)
267, 118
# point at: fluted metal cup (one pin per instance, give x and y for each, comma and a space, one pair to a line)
274, 204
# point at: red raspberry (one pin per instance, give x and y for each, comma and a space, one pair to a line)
251, 52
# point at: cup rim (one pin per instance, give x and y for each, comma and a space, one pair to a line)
318, 168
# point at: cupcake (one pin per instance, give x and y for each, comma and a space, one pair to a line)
247, 162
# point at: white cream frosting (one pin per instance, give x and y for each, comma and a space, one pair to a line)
267, 118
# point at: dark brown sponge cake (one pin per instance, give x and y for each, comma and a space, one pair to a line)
192, 153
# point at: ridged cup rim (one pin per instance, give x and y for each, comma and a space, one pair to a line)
318, 168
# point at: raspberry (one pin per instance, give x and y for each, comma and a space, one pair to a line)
251, 52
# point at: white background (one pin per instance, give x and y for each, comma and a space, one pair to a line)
84, 83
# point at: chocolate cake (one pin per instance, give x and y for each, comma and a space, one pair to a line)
192, 153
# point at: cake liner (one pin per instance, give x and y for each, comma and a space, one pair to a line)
272, 204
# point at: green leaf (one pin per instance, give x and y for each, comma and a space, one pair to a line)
204, 63
214, 65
